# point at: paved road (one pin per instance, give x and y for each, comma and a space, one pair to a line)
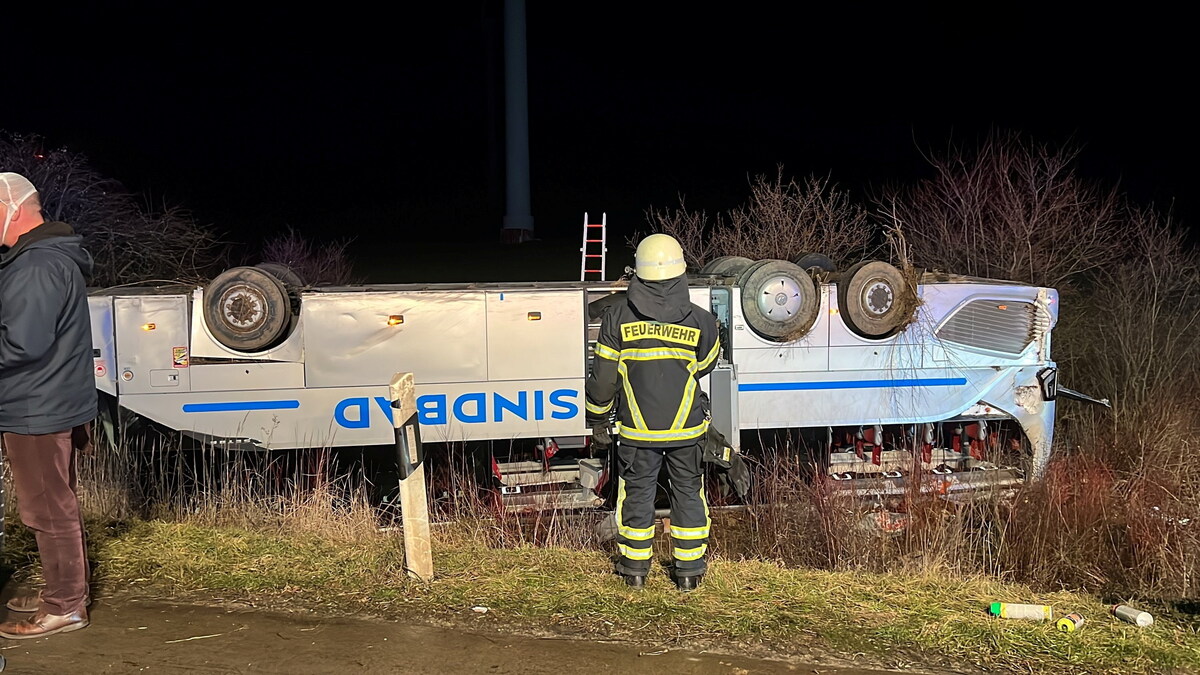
138, 636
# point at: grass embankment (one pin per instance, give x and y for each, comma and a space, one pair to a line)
898, 620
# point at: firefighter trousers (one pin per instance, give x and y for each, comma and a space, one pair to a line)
638, 471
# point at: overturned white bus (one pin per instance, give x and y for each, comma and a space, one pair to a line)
942, 379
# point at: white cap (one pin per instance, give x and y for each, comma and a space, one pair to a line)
15, 189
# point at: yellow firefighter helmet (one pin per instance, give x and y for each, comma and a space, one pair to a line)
659, 257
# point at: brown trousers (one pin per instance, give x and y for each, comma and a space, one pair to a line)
43, 471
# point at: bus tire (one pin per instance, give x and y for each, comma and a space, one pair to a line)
872, 299
779, 300
247, 309
726, 266
816, 264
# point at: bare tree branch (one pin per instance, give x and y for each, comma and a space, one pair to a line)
1010, 210
783, 218
129, 240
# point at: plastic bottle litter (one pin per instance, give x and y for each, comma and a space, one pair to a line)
1070, 623
1132, 615
1011, 610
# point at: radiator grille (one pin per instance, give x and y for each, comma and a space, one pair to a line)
999, 325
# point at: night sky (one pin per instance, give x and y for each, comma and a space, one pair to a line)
345, 119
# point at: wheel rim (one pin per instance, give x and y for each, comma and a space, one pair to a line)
878, 297
780, 299
243, 308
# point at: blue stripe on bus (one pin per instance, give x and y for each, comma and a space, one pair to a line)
853, 384
238, 406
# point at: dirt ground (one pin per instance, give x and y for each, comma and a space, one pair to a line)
132, 635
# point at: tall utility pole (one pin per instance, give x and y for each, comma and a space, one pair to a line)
518, 214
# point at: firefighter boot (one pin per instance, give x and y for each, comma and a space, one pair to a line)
688, 584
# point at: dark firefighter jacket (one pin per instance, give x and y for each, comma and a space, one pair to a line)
652, 350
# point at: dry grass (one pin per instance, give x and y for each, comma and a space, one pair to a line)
804, 570
898, 619
1086, 527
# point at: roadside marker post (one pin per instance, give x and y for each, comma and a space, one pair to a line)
414, 505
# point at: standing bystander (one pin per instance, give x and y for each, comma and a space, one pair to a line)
47, 399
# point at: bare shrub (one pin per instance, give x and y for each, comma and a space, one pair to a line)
317, 263
1114, 513
1009, 209
797, 517
131, 241
908, 301
785, 218
1118, 512
692, 229
782, 219
1089, 526
1134, 338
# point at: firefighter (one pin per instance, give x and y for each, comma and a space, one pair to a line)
650, 355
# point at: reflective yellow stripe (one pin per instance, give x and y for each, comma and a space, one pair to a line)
637, 533
689, 532
637, 553
695, 532
634, 533
691, 553
606, 352
634, 434
620, 498
658, 354
634, 410
598, 409
689, 395
712, 355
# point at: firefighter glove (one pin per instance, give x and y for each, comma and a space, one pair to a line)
600, 435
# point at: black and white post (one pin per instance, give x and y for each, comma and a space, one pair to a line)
414, 507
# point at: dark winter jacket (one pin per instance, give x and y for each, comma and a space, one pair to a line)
46, 380
653, 349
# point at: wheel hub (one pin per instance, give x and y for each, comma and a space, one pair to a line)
780, 299
878, 297
243, 308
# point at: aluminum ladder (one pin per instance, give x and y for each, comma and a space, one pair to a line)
591, 244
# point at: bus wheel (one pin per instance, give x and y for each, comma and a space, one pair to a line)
247, 309
779, 300
874, 300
